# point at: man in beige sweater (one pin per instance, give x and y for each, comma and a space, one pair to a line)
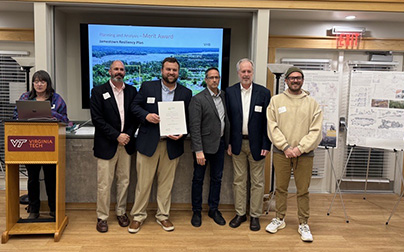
294, 127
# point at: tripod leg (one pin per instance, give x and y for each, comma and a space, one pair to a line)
395, 207
402, 193
338, 190
367, 173
271, 196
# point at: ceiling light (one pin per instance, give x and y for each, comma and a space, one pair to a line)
350, 17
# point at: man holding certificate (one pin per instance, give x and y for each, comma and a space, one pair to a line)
210, 129
158, 154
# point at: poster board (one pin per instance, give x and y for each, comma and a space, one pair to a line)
376, 110
324, 86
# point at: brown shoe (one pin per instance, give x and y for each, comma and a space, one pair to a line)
102, 226
123, 220
134, 227
166, 225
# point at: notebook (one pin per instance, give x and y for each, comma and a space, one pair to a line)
34, 110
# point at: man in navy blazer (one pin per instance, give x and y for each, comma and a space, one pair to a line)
249, 142
157, 156
114, 142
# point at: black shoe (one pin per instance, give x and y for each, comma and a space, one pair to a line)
255, 224
237, 220
196, 220
24, 200
216, 215
123, 220
102, 226
33, 216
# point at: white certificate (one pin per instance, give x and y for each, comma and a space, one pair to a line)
172, 118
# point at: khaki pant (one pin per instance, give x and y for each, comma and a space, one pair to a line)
118, 165
147, 167
240, 173
302, 169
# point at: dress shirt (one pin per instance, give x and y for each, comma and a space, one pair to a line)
167, 95
245, 104
118, 94
220, 109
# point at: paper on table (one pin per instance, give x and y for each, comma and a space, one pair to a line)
172, 118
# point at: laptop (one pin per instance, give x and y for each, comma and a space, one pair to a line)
34, 110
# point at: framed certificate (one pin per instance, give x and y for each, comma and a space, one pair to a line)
172, 118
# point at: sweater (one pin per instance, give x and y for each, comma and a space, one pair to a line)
294, 120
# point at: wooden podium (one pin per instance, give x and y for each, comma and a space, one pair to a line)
34, 142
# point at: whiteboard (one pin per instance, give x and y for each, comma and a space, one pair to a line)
376, 110
324, 86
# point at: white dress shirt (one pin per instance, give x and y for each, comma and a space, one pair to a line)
118, 94
245, 104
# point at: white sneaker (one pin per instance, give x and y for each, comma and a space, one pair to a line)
305, 233
275, 225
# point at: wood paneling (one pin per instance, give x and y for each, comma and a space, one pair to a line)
7, 34
330, 42
351, 5
32, 129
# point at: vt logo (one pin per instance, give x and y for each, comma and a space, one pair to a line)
17, 143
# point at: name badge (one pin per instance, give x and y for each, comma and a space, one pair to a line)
150, 100
258, 109
106, 95
282, 110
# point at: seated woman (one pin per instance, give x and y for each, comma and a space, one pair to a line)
41, 90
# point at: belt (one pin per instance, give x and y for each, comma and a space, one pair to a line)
245, 137
163, 138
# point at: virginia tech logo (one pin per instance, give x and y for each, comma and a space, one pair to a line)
31, 143
17, 143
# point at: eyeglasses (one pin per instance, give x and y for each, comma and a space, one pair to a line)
40, 82
213, 78
295, 78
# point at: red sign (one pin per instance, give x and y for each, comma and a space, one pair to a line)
348, 40
31, 143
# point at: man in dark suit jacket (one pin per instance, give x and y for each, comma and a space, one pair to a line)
157, 155
249, 142
210, 128
114, 142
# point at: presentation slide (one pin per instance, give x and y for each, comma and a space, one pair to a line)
142, 49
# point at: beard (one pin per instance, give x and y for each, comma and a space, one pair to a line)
118, 78
246, 81
167, 78
295, 87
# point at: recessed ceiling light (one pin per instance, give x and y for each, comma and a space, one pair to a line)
350, 17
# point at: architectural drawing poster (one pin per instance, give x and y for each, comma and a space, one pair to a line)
376, 110
324, 86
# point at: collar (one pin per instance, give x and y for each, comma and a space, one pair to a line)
213, 94
166, 89
244, 89
115, 88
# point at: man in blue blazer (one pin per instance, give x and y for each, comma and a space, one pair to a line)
114, 142
157, 156
249, 143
